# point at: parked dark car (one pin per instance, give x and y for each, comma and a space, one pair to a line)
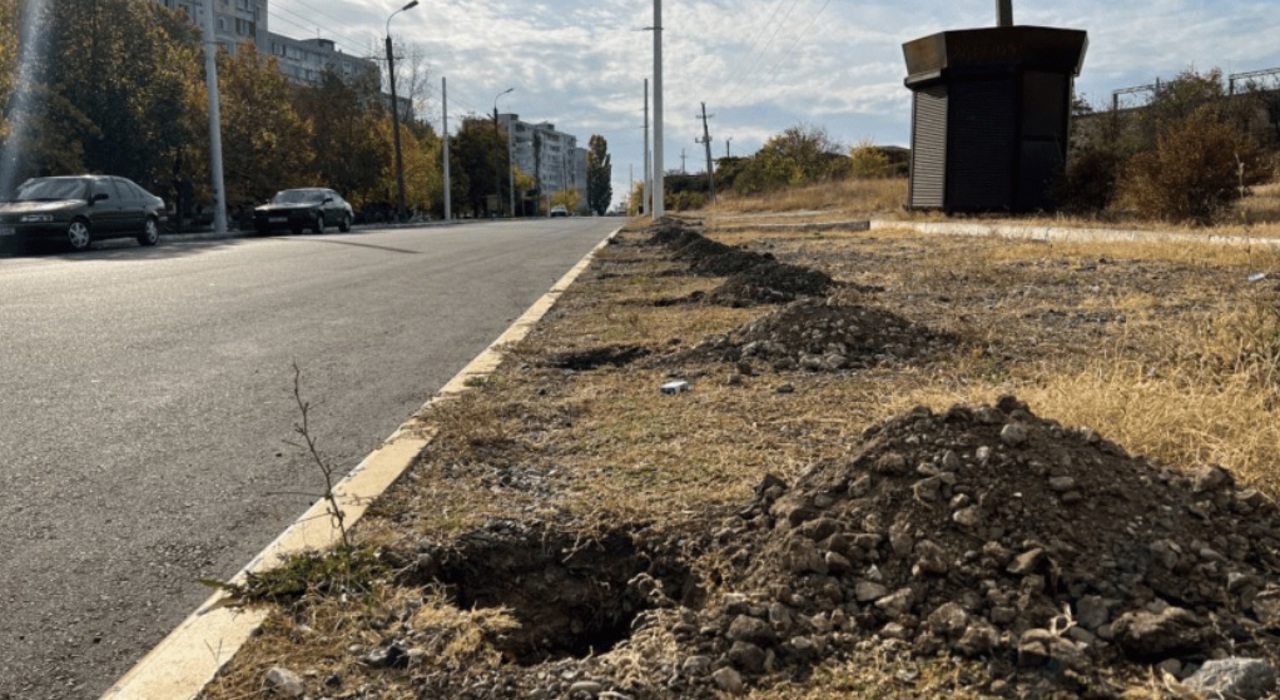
79, 209
303, 208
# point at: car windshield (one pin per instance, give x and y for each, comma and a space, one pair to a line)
297, 196
50, 189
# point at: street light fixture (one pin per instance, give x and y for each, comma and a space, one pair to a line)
497, 183
395, 112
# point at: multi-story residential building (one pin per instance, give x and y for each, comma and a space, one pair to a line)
235, 21
551, 156
302, 60
305, 60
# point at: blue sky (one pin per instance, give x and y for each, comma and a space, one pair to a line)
760, 65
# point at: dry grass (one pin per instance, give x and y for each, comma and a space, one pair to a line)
1166, 349
866, 197
1256, 215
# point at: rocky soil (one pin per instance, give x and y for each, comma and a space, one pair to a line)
1039, 560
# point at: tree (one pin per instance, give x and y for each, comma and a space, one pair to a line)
471, 163
125, 72
599, 175
866, 161
266, 144
800, 155
342, 115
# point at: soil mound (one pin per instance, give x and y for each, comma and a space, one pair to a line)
828, 335
754, 278
988, 532
770, 283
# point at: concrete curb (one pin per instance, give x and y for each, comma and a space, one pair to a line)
1059, 233
184, 662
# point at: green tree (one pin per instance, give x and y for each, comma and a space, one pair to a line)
867, 161
599, 175
124, 70
800, 155
265, 143
341, 114
472, 164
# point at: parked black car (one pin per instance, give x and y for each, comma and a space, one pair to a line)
79, 209
304, 208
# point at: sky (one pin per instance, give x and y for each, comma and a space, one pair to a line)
760, 66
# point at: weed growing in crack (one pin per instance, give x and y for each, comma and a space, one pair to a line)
345, 569
303, 429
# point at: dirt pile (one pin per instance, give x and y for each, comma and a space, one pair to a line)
1049, 557
753, 278
827, 335
993, 534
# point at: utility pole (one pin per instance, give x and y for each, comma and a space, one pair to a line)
395, 112
644, 197
497, 182
683, 171
727, 141
706, 141
215, 122
444, 131
1004, 13
659, 189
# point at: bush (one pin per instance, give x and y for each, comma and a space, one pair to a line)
1089, 184
1200, 165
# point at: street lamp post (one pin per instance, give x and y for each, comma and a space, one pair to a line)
395, 112
497, 183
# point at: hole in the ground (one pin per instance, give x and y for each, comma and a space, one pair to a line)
572, 597
585, 360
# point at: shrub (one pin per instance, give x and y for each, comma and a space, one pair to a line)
1200, 165
1089, 184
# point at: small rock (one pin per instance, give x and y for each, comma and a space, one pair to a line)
1210, 479
696, 666
281, 681
896, 603
1233, 679
1153, 637
1092, 612
747, 656
948, 620
931, 560
750, 629
1061, 484
1040, 648
729, 680
1026, 563
867, 591
590, 688
969, 517
980, 638
1013, 434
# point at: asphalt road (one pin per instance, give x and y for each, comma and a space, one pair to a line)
146, 400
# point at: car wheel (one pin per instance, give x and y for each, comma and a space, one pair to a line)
150, 232
344, 224
295, 229
78, 236
319, 225
262, 229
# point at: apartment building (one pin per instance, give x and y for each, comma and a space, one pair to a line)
302, 60
235, 21
551, 156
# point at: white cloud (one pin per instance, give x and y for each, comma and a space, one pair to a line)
760, 65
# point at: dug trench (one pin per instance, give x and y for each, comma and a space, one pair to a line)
1029, 558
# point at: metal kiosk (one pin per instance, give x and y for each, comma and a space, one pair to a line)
990, 117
